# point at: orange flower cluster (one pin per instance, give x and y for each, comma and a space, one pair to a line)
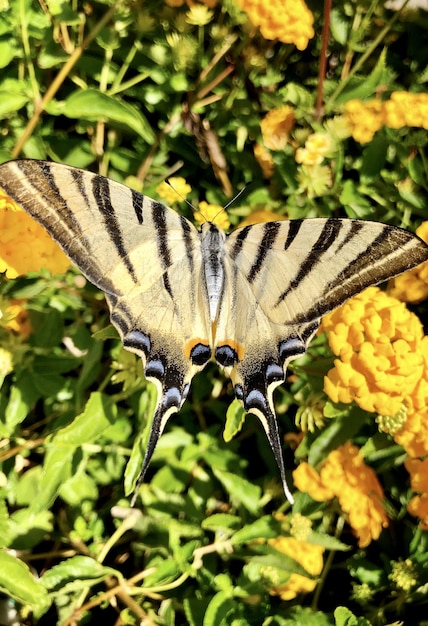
402, 109
276, 127
345, 475
289, 21
383, 367
24, 245
379, 343
412, 286
309, 555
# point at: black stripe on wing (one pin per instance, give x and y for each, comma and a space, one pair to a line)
267, 242
102, 197
327, 236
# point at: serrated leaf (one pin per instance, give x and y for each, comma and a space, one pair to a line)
93, 105
365, 87
17, 581
76, 573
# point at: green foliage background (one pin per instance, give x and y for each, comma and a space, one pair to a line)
129, 89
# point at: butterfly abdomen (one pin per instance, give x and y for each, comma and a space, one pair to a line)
213, 252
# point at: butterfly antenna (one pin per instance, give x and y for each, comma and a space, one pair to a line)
238, 195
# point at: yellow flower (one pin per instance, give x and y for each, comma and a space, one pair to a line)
379, 345
264, 159
345, 475
176, 190
212, 213
276, 126
403, 574
407, 109
199, 15
24, 245
413, 435
317, 147
307, 480
309, 555
402, 109
364, 118
314, 180
15, 317
412, 286
290, 21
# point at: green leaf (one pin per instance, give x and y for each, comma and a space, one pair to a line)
264, 528
94, 106
344, 617
235, 418
17, 581
76, 573
21, 399
219, 610
364, 87
337, 432
98, 415
374, 156
240, 489
11, 101
221, 522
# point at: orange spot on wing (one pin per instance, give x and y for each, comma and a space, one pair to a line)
192, 343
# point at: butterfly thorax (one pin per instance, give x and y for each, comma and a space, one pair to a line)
213, 251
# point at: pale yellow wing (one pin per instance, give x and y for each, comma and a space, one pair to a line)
281, 277
144, 256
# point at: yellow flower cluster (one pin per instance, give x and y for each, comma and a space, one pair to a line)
379, 345
289, 21
175, 190
345, 475
276, 127
402, 109
317, 147
309, 555
412, 286
413, 434
24, 245
212, 213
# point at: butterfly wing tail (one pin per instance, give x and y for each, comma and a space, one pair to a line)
164, 411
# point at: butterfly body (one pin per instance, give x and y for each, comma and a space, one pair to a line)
250, 300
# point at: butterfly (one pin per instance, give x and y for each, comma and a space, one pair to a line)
180, 297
